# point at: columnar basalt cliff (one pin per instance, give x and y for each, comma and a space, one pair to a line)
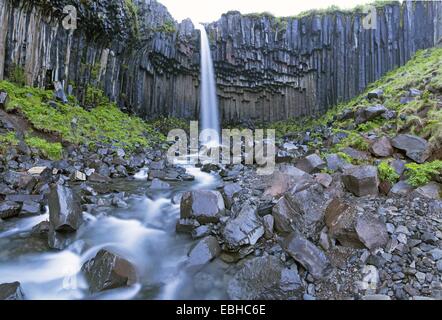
267, 68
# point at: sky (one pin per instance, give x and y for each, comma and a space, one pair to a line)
211, 10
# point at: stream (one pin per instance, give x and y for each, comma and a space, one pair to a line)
144, 233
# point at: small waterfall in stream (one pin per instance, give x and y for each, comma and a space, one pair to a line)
209, 113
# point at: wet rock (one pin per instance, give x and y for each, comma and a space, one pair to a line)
59, 240
361, 180
65, 213
37, 171
98, 178
311, 164
108, 271
78, 176
186, 225
431, 190
20, 180
369, 113
229, 192
245, 229
205, 206
308, 255
372, 231
415, 148
381, 147
157, 184
11, 291
157, 165
265, 278
340, 219
41, 229
30, 208
401, 188
9, 209
203, 252
201, 231
209, 167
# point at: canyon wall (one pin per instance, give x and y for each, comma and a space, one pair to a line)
267, 68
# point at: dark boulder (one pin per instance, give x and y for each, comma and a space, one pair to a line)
203, 252
108, 271
20, 180
11, 291
311, 164
361, 180
65, 213
229, 192
336, 163
157, 184
372, 231
375, 94
369, 113
285, 216
99, 178
203, 205
381, 147
416, 148
9, 209
308, 255
265, 278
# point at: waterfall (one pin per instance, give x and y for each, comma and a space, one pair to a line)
209, 113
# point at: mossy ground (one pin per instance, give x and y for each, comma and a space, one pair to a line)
103, 124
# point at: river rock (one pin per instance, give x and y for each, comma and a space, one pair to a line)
204, 205
65, 213
381, 147
361, 180
9, 209
20, 180
108, 271
203, 252
229, 191
245, 229
265, 278
157, 184
11, 291
308, 255
415, 148
311, 164
99, 178
41, 229
186, 225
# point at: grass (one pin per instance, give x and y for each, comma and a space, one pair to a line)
104, 124
53, 151
353, 140
420, 174
7, 140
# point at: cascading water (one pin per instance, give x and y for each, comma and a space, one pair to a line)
209, 113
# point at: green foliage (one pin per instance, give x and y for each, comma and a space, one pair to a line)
49, 150
132, 10
387, 173
95, 97
167, 27
17, 75
354, 140
165, 124
420, 174
345, 157
103, 124
7, 140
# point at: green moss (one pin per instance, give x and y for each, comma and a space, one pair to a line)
420, 174
353, 140
49, 150
345, 157
103, 124
7, 140
95, 97
387, 173
132, 10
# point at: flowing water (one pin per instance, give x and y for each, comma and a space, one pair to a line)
144, 233
209, 103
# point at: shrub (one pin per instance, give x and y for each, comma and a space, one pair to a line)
387, 173
420, 174
17, 75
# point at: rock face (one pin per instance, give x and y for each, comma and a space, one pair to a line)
11, 291
308, 255
267, 68
415, 148
204, 206
265, 278
362, 180
108, 271
64, 209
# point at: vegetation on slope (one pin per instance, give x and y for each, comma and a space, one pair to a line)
103, 124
